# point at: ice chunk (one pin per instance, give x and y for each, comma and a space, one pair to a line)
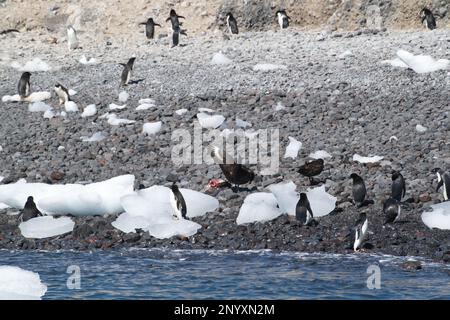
145, 106
206, 110
46, 227
98, 198
420, 128
84, 60
147, 101
38, 107
1, 178
438, 218
345, 54
279, 106
362, 159
293, 148
20, 284
33, 97
114, 121
265, 67
123, 96
220, 59
34, 65
180, 112
114, 106
320, 154
151, 127
322, 203
98, 136
243, 124
89, 111
260, 206
395, 63
210, 121
49, 114
421, 63
70, 106
286, 196
72, 92
173, 228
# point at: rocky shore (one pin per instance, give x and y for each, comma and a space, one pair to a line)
336, 95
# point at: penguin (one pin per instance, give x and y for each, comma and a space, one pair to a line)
428, 19
235, 173
443, 181
391, 210
359, 190
303, 211
126, 73
72, 39
177, 202
232, 24
63, 93
398, 186
283, 19
24, 85
150, 28
311, 169
173, 17
360, 231
29, 211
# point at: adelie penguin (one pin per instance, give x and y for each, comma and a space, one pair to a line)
311, 169
24, 85
29, 211
428, 19
391, 210
303, 212
177, 202
283, 19
150, 28
398, 186
360, 231
359, 191
126, 73
176, 27
63, 93
443, 181
232, 24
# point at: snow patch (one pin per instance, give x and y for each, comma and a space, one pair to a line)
70, 106
362, 159
260, 206
438, 218
210, 121
220, 59
419, 63
293, 148
84, 60
89, 111
420, 128
320, 154
34, 97
34, 65
123, 96
151, 128
20, 284
98, 136
39, 107
114, 106
180, 112
265, 67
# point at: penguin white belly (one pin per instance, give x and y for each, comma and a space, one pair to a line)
27, 89
445, 192
72, 39
173, 203
280, 21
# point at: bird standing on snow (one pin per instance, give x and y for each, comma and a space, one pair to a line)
72, 38
126, 73
29, 211
311, 169
232, 24
428, 19
177, 202
24, 85
150, 28
361, 231
303, 212
63, 93
391, 210
443, 181
283, 19
398, 186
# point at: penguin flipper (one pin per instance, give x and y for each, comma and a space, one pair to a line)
181, 17
167, 19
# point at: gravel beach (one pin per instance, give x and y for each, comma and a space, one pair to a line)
337, 96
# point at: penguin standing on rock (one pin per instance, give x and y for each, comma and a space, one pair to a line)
303, 212
283, 19
63, 93
126, 73
24, 85
232, 24
29, 211
398, 186
177, 202
391, 210
361, 231
150, 28
359, 191
443, 181
428, 19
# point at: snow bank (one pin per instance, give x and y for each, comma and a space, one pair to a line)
98, 136
320, 154
419, 63
46, 227
38, 107
210, 121
265, 67
151, 128
89, 111
439, 217
260, 206
34, 65
19, 284
293, 148
362, 159
34, 97
98, 198
220, 59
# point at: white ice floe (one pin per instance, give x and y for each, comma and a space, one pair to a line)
210, 121
114, 121
49, 114
243, 124
320, 154
89, 111
361, 159
345, 54
151, 128
322, 203
157, 218
46, 227
84, 60
260, 206
114, 106
123, 96
20, 284
286, 196
265, 67
220, 59
293, 148
438, 218
34, 65
38, 107
145, 106
420, 128
419, 63
98, 136
180, 112
70, 106
33, 97
98, 198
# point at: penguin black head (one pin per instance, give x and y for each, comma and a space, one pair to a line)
174, 187
30, 199
354, 176
303, 196
172, 12
436, 170
229, 15
395, 174
26, 75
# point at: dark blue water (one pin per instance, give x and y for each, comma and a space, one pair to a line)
173, 274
